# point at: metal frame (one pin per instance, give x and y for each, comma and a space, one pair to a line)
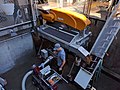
43, 78
72, 46
83, 77
16, 25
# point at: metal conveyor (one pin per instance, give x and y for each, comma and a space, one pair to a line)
106, 36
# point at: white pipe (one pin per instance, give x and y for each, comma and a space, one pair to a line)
25, 78
30, 72
48, 60
33, 11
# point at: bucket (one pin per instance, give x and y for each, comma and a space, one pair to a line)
8, 8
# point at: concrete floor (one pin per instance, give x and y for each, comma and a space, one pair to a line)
14, 76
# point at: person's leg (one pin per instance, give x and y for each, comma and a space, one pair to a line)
59, 71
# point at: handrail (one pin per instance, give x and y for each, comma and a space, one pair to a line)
13, 26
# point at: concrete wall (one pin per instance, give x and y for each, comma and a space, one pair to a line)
13, 49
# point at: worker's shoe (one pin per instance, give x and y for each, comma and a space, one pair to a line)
90, 68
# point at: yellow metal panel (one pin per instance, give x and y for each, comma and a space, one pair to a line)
65, 18
48, 17
73, 19
79, 19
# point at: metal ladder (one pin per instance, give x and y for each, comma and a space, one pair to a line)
106, 36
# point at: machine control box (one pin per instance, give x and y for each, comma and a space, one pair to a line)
44, 53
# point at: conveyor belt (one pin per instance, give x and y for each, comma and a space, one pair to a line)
61, 35
106, 36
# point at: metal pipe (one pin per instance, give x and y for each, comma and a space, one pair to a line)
48, 60
33, 12
13, 26
14, 37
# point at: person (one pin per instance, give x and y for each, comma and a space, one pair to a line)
61, 55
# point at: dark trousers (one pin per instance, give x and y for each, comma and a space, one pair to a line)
54, 66
58, 71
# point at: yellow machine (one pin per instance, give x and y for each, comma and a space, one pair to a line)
73, 19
